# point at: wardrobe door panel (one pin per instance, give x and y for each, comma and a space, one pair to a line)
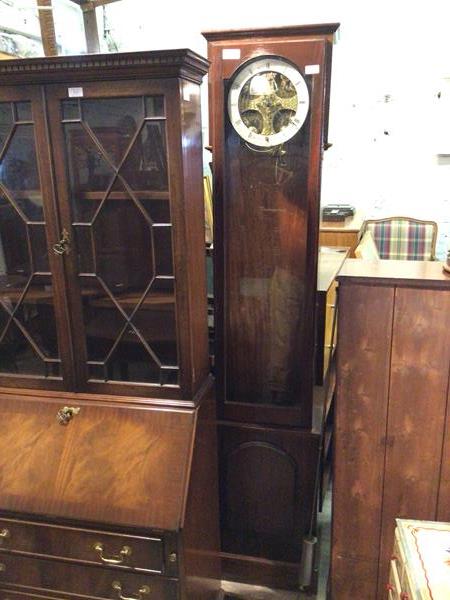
419, 371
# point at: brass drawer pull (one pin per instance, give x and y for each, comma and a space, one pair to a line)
66, 414
118, 588
2, 567
63, 246
113, 560
4, 535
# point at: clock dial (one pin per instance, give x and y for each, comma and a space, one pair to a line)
268, 102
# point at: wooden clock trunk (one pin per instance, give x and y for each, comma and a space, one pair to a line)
108, 484
266, 204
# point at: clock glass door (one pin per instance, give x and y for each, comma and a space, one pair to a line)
269, 282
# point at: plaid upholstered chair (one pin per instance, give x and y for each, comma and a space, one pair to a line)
403, 238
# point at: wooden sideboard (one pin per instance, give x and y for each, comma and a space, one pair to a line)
392, 423
345, 233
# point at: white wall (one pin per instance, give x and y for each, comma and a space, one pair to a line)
391, 60
389, 65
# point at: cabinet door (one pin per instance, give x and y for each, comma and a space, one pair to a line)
32, 351
111, 157
91, 462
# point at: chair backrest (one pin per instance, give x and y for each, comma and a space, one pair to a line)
403, 238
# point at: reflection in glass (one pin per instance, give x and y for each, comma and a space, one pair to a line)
162, 236
28, 339
157, 210
23, 111
114, 122
118, 190
85, 248
266, 283
154, 106
70, 109
6, 122
146, 165
39, 250
124, 249
19, 173
89, 171
102, 319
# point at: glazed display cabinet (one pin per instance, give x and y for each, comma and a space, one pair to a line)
107, 453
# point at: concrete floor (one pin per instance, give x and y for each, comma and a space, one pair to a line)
253, 592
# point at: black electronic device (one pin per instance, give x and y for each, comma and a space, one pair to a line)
337, 212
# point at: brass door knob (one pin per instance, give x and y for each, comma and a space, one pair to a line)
143, 590
66, 414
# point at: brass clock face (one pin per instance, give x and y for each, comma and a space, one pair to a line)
268, 101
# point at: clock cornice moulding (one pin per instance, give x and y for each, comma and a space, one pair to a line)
294, 30
182, 63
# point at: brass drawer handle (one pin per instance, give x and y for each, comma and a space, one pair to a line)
66, 414
118, 588
113, 560
4, 535
63, 246
2, 567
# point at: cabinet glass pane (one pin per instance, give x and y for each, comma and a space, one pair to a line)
118, 188
28, 340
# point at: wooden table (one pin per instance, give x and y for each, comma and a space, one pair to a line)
342, 233
330, 263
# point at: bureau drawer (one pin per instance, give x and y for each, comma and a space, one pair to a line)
50, 577
13, 595
88, 546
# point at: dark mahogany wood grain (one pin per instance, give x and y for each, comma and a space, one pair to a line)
118, 465
259, 464
289, 30
126, 65
174, 75
363, 363
200, 531
76, 544
411, 273
391, 434
417, 403
283, 221
443, 507
31, 595
136, 465
265, 252
46, 576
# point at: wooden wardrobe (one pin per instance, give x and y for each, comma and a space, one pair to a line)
392, 426
108, 484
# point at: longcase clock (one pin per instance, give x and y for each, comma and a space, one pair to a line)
268, 98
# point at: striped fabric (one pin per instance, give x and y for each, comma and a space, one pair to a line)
403, 240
